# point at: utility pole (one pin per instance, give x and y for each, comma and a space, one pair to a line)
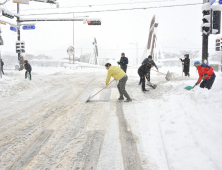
73, 40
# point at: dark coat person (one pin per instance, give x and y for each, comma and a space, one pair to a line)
143, 72
28, 69
150, 61
123, 62
2, 64
186, 63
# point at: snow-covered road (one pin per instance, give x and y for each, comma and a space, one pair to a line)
46, 123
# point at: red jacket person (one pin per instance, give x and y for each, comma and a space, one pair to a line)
207, 72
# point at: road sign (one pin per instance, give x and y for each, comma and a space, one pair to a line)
13, 29
71, 51
220, 1
28, 27
212, 1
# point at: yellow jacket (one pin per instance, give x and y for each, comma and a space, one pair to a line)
116, 72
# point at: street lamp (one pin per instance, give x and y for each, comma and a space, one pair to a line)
137, 59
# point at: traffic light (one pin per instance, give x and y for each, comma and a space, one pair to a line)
23, 47
20, 47
206, 26
217, 44
7, 14
94, 22
216, 19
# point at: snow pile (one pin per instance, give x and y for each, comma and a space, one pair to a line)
14, 81
9, 86
181, 129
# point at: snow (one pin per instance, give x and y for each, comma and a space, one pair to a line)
13, 81
206, 7
216, 7
173, 128
186, 123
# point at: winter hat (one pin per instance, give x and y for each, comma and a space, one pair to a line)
150, 56
107, 65
197, 63
186, 55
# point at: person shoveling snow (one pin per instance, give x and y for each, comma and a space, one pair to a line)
143, 72
118, 74
150, 61
206, 73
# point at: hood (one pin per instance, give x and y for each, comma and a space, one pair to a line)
186, 56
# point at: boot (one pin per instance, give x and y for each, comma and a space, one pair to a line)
121, 98
128, 100
145, 90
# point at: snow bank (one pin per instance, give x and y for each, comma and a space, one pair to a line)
14, 81
180, 129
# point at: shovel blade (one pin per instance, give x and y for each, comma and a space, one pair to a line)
154, 86
88, 100
189, 88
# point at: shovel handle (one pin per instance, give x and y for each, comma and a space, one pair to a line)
158, 71
147, 79
102, 89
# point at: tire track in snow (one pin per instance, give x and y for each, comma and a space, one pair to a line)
62, 106
27, 148
131, 158
91, 141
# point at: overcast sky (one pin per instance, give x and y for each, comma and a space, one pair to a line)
179, 28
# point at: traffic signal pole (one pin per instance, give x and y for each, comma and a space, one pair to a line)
0, 57
73, 39
205, 43
18, 36
205, 48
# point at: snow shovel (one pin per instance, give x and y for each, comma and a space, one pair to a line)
99, 91
167, 75
154, 86
189, 87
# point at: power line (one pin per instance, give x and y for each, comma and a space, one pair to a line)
96, 5
180, 47
113, 10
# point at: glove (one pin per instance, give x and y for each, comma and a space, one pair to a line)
118, 62
197, 83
